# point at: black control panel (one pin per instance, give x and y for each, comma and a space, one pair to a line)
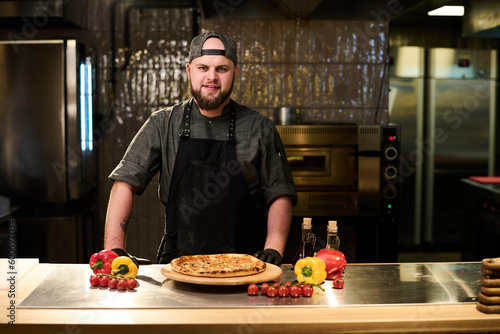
390, 197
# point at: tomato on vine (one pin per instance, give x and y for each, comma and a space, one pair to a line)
112, 283
272, 291
94, 280
104, 280
283, 291
307, 290
263, 288
295, 291
131, 283
122, 284
253, 289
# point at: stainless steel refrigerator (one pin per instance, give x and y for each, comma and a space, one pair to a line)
406, 108
47, 152
460, 130
46, 121
444, 100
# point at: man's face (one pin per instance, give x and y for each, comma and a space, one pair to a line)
211, 77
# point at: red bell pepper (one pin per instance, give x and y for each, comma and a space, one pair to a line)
335, 262
101, 262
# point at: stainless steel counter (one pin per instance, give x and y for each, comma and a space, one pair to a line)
67, 286
480, 219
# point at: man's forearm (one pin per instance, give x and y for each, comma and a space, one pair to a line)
278, 223
118, 215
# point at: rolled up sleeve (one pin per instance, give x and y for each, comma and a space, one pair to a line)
276, 175
142, 159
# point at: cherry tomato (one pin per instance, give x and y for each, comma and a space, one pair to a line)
112, 283
103, 281
338, 283
253, 289
295, 291
288, 283
121, 284
131, 283
94, 280
276, 285
263, 288
283, 291
307, 290
272, 291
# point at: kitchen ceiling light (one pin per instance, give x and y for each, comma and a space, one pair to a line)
447, 11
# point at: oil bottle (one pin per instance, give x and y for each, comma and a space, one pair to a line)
307, 242
332, 238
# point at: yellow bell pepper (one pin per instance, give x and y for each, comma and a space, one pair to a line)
123, 266
310, 270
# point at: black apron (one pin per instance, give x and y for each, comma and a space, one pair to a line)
209, 208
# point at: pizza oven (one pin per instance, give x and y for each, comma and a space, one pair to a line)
350, 173
342, 170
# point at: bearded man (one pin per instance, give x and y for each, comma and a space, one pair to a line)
225, 181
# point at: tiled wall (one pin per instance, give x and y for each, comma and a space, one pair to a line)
332, 70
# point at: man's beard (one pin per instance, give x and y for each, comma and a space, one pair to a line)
211, 104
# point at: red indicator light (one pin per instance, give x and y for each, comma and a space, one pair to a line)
392, 138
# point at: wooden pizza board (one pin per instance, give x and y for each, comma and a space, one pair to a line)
271, 273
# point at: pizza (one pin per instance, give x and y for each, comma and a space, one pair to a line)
218, 265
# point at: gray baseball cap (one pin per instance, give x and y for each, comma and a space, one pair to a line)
196, 47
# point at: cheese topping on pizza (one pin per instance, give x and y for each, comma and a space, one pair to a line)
218, 265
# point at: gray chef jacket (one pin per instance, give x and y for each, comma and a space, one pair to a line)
258, 147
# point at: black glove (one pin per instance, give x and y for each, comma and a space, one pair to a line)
135, 259
269, 255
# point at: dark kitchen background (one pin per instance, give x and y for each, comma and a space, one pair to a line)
331, 59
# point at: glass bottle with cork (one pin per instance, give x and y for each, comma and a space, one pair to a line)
332, 238
307, 242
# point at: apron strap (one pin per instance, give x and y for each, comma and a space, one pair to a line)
185, 130
231, 138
